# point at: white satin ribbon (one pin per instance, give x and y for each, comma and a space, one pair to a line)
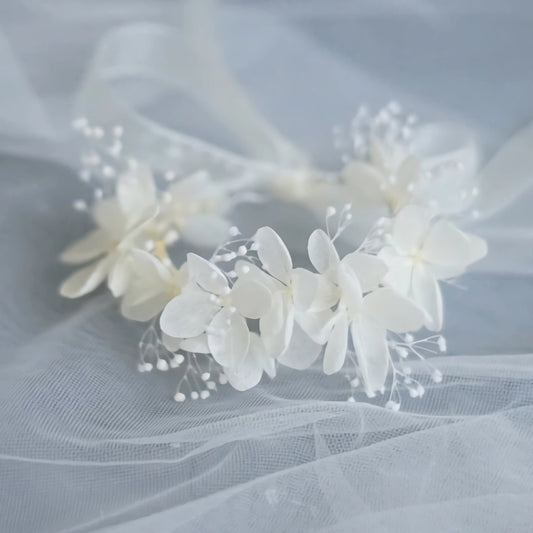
189, 61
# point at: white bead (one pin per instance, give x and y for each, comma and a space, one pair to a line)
436, 376
79, 205
162, 365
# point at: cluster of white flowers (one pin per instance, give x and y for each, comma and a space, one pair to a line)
247, 309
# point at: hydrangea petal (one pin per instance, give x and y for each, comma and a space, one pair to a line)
107, 215
335, 352
252, 299
85, 279
446, 245
312, 292
172, 344
146, 266
136, 192
316, 325
400, 270
196, 344
228, 338
276, 342
478, 248
188, 315
393, 311
301, 352
119, 275
206, 274
323, 254
409, 228
271, 322
372, 352
352, 295
428, 296
249, 372
141, 305
247, 270
369, 269
273, 254
93, 245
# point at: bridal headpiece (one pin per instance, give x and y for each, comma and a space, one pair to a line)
247, 308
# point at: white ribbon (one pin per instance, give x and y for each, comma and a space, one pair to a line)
190, 61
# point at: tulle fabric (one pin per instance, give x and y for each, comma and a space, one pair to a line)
89, 444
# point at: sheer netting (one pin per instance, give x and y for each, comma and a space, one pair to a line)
89, 444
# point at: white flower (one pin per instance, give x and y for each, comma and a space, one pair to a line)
209, 305
436, 168
195, 207
152, 284
248, 372
388, 178
290, 290
364, 312
120, 220
422, 250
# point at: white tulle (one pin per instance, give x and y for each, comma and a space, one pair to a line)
89, 444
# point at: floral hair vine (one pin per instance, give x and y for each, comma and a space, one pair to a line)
248, 308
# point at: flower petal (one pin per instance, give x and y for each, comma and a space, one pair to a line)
248, 373
93, 245
273, 254
400, 270
406, 176
247, 270
107, 215
195, 344
409, 228
312, 292
146, 266
271, 322
393, 311
120, 275
172, 344
141, 305
206, 274
478, 248
301, 352
369, 269
428, 296
188, 315
316, 325
228, 338
352, 295
323, 254
446, 245
277, 340
252, 299
335, 353
136, 192
85, 279
372, 352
